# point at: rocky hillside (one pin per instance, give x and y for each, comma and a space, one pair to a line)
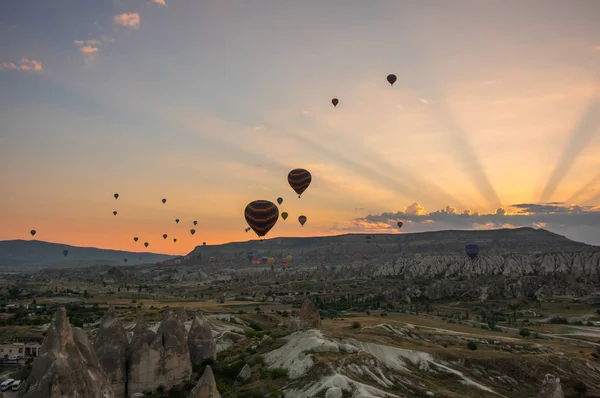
31, 254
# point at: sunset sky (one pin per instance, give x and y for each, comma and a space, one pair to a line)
209, 104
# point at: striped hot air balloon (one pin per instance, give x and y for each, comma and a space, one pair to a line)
261, 216
299, 180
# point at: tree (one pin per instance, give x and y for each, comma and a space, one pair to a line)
514, 307
85, 294
14, 291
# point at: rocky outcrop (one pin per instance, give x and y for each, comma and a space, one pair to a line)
111, 348
201, 341
551, 387
245, 375
308, 317
206, 386
114, 275
67, 365
161, 358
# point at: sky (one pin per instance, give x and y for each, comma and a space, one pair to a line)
494, 120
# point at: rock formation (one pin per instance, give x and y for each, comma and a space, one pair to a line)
111, 347
114, 275
245, 375
206, 386
66, 366
161, 358
308, 317
201, 341
551, 387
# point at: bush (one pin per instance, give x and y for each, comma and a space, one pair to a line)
471, 345
524, 332
580, 387
559, 320
355, 325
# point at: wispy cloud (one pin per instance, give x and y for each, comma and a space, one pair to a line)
89, 48
424, 100
159, 2
25, 64
128, 19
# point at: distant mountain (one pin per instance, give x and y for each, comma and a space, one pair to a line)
29, 254
344, 248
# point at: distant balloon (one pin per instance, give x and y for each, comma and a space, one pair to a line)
125, 260
261, 216
391, 79
335, 101
192, 231
284, 215
472, 250
299, 180
33, 232
165, 236
400, 224
255, 260
270, 260
177, 220
65, 253
302, 220
116, 196
175, 240
135, 238
164, 201
114, 213
203, 243
195, 222
212, 259
279, 201
146, 244
288, 258
283, 264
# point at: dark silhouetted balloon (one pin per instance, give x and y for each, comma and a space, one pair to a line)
203, 243
400, 224
195, 222
299, 180
279, 201
33, 232
192, 231
125, 260
472, 250
164, 201
284, 215
116, 196
135, 238
177, 220
146, 244
302, 220
391, 79
165, 236
65, 253
261, 216
335, 101
175, 240
114, 213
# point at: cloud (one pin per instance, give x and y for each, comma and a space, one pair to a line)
159, 2
553, 216
89, 48
128, 19
424, 100
25, 64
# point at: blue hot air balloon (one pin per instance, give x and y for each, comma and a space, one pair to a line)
472, 250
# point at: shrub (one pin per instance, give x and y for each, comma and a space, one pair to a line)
471, 345
580, 387
355, 325
524, 332
559, 320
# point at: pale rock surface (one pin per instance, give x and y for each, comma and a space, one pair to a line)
206, 386
66, 366
200, 340
551, 387
111, 348
334, 392
245, 375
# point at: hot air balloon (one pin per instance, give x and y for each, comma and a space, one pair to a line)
302, 220
65, 253
177, 220
116, 196
135, 238
264, 259
164, 201
279, 201
368, 239
164, 236
391, 79
335, 101
299, 180
203, 243
195, 222
212, 259
33, 232
472, 250
261, 216
146, 244
283, 264
255, 260
418, 256
125, 260
175, 240
288, 258
192, 231
270, 260
114, 213
400, 224
284, 215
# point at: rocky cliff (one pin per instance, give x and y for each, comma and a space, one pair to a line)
201, 342
66, 366
111, 348
206, 386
